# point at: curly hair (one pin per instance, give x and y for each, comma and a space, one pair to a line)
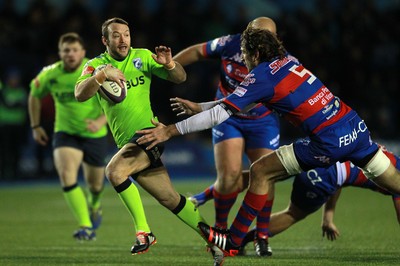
263, 41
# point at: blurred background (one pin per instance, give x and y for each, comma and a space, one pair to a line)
352, 46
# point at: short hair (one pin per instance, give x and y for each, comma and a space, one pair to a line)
104, 30
70, 37
265, 42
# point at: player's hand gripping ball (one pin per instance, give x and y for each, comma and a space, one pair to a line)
110, 90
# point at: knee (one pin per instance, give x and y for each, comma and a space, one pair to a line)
229, 177
256, 170
113, 174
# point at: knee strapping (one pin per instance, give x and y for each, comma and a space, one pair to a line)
288, 159
377, 166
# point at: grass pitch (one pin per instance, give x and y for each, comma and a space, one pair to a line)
36, 228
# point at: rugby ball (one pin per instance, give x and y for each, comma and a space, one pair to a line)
110, 90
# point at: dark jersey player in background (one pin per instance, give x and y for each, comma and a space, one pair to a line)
255, 132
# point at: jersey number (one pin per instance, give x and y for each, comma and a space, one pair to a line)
302, 73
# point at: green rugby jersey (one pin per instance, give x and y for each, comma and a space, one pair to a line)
135, 112
70, 114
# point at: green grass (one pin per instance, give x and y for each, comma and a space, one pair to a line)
36, 229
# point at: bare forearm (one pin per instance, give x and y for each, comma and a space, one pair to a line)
190, 55
176, 73
34, 109
329, 207
89, 87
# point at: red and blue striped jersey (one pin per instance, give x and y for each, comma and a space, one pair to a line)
287, 87
232, 69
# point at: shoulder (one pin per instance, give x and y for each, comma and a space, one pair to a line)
48, 70
96, 61
140, 52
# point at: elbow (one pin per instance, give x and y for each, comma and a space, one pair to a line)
79, 96
181, 79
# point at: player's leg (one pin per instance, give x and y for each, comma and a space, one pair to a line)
261, 244
383, 172
268, 169
282, 220
157, 183
67, 161
228, 160
396, 202
202, 197
94, 176
130, 159
95, 152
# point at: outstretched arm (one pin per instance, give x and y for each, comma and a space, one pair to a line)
201, 121
186, 107
163, 56
190, 55
328, 227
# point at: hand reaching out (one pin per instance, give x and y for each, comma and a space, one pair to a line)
163, 55
330, 231
153, 136
184, 107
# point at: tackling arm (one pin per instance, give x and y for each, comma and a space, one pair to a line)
201, 121
190, 55
328, 227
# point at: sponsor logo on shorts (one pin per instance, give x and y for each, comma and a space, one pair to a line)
352, 137
323, 159
217, 133
275, 141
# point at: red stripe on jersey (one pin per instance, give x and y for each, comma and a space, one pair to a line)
204, 49
308, 108
231, 104
234, 70
390, 155
347, 166
288, 85
344, 109
223, 90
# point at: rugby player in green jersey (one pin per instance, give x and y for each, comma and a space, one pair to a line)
80, 133
136, 67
